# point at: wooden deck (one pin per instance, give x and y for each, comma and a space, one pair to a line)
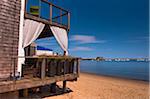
43, 66
50, 69
34, 82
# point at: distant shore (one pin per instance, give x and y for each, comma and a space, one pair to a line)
91, 86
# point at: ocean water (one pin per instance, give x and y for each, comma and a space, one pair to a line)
130, 70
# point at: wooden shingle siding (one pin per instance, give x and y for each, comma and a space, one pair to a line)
9, 34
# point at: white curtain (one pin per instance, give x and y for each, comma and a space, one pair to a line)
61, 36
20, 49
28, 33
32, 29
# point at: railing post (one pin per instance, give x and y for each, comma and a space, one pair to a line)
43, 68
78, 67
25, 10
68, 20
51, 14
65, 66
40, 8
64, 86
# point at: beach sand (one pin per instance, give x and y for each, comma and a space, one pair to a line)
91, 86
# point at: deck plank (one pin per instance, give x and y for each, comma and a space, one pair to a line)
33, 82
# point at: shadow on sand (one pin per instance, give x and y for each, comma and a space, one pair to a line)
45, 92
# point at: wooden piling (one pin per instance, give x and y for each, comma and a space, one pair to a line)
53, 88
25, 92
64, 86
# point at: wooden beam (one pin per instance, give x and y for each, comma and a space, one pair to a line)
45, 21
8, 86
53, 88
43, 68
51, 14
64, 86
68, 21
47, 57
26, 2
25, 92
64, 67
78, 67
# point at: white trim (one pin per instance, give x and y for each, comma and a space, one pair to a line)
20, 48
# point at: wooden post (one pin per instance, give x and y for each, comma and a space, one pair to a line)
25, 92
68, 21
64, 86
36, 68
64, 64
26, 2
51, 13
78, 67
53, 87
64, 67
43, 68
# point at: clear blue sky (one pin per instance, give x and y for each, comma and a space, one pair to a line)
108, 28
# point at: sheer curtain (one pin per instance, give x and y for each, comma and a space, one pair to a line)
31, 31
61, 36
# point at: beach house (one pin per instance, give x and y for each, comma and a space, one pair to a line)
21, 23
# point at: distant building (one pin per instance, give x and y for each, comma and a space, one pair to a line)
100, 59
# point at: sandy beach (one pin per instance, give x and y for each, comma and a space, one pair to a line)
91, 86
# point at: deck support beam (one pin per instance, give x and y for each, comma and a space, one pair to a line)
43, 69
78, 67
64, 86
53, 88
25, 92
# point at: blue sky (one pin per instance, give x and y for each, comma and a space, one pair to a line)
108, 28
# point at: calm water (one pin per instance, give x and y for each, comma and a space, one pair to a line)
131, 70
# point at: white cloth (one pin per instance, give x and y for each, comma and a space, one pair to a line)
61, 36
32, 29
20, 49
28, 33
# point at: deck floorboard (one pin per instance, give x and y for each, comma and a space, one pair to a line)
8, 86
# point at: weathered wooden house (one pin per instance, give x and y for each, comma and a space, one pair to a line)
21, 23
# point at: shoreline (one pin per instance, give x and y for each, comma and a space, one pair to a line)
115, 77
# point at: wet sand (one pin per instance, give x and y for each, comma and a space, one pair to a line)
91, 86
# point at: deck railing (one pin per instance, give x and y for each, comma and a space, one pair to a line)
48, 13
42, 67
40, 71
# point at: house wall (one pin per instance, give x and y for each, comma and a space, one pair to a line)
9, 34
